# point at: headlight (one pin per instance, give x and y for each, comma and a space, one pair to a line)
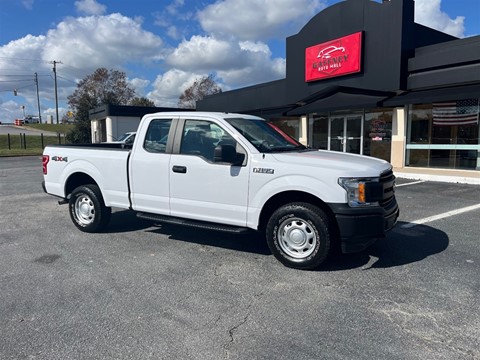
362, 192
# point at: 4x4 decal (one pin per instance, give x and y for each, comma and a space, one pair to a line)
60, 158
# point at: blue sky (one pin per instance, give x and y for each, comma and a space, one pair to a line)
163, 46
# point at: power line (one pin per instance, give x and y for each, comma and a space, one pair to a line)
24, 75
64, 78
4, 81
20, 59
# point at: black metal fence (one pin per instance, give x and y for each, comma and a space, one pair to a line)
24, 141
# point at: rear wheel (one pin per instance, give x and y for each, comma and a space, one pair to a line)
299, 236
87, 209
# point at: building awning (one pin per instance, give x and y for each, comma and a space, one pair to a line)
341, 98
435, 95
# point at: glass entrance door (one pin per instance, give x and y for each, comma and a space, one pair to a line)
345, 134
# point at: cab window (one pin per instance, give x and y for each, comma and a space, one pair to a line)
157, 136
200, 137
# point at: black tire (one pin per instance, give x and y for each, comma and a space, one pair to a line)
299, 236
87, 209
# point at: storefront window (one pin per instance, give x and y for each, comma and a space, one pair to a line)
377, 139
444, 135
367, 132
318, 130
290, 126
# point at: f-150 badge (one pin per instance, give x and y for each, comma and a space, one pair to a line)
60, 158
263, 170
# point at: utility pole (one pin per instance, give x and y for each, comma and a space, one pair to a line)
38, 100
55, 78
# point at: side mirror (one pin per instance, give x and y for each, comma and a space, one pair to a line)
227, 154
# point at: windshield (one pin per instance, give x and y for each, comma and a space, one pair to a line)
265, 136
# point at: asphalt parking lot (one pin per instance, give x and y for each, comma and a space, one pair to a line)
144, 292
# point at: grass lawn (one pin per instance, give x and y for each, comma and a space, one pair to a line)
17, 145
59, 128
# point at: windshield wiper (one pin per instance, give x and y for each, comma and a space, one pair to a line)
287, 148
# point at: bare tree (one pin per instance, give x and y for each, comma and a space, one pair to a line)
197, 91
101, 87
142, 101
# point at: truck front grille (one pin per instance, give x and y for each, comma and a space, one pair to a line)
388, 180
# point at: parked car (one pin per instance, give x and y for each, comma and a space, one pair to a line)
126, 138
29, 119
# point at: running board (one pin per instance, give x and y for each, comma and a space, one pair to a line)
192, 223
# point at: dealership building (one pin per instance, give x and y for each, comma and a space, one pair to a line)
363, 77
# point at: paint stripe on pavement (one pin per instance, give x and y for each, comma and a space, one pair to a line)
411, 183
440, 216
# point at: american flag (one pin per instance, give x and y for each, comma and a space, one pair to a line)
461, 112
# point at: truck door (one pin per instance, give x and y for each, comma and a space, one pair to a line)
200, 188
149, 180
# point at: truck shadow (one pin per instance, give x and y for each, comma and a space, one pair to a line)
251, 242
125, 221
402, 245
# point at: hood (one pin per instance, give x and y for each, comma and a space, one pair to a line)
351, 165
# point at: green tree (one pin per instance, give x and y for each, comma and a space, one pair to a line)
102, 87
201, 87
142, 101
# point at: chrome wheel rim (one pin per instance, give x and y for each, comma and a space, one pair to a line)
297, 238
84, 210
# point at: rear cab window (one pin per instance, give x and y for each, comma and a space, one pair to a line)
157, 135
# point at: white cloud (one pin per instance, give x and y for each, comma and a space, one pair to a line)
174, 32
52, 111
169, 86
139, 85
258, 19
253, 74
28, 4
106, 41
174, 7
175, 19
85, 44
10, 111
429, 13
206, 53
236, 63
81, 45
260, 67
90, 7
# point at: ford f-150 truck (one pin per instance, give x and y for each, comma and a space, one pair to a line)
229, 172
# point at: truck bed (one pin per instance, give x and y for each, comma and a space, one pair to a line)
106, 164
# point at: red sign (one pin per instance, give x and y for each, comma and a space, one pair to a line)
334, 58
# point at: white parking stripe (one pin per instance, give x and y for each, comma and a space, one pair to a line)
412, 183
440, 216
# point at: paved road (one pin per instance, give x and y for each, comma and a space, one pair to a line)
15, 130
143, 292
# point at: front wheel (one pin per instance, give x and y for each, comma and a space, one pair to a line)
299, 236
87, 209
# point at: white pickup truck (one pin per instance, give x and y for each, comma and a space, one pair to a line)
229, 172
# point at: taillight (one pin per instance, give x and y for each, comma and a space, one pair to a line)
45, 160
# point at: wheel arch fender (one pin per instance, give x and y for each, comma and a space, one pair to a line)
286, 197
73, 177
293, 188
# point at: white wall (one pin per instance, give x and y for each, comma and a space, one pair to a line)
116, 126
